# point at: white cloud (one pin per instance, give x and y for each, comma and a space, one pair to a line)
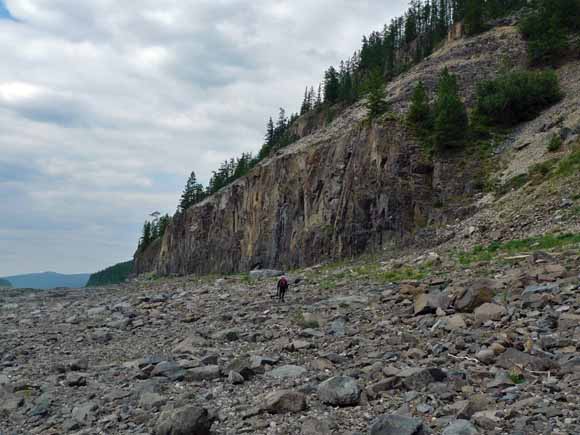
106, 106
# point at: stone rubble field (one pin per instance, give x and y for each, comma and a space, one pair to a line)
461, 351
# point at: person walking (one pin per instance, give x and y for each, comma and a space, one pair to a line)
282, 287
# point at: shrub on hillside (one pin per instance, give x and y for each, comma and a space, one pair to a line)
517, 96
555, 144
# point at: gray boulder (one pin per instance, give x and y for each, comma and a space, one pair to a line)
85, 413
288, 371
228, 335
151, 401
340, 391
284, 401
478, 293
189, 420
235, 378
170, 370
76, 379
337, 327
513, 357
429, 302
420, 378
460, 427
397, 425
204, 373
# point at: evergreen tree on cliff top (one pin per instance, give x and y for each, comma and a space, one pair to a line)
192, 193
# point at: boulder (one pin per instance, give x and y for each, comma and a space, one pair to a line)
242, 365
288, 371
235, 378
189, 420
568, 321
460, 427
79, 365
315, 426
426, 303
397, 425
228, 335
420, 378
284, 401
475, 404
513, 357
84, 414
541, 288
298, 345
190, 345
151, 401
478, 293
204, 373
170, 370
41, 406
340, 391
76, 379
337, 328
486, 356
489, 311
386, 384
456, 322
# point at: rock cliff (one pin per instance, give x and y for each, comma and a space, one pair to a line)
345, 187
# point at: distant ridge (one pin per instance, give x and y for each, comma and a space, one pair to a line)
4, 283
47, 280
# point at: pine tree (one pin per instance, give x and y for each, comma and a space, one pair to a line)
547, 28
162, 224
376, 95
311, 98
419, 115
269, 139
305, 104
146, 238
450, 115
186, 200
474, 17
331, 86
154, 229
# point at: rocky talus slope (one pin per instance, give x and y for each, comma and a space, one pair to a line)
411, 346
349, 187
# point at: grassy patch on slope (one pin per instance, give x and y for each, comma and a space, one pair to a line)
567, 166
512, 247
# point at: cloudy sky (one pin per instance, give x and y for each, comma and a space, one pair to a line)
107, 105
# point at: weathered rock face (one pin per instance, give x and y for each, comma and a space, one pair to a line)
343, 189
361, 190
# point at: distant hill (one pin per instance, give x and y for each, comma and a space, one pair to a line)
111, 275
48, 280
4, 283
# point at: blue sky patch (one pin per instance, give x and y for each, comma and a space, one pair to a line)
4, 12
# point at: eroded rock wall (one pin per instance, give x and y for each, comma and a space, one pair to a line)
370, 187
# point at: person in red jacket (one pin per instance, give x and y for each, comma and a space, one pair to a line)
282, 287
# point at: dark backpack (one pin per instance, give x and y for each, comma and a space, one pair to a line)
283, 283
